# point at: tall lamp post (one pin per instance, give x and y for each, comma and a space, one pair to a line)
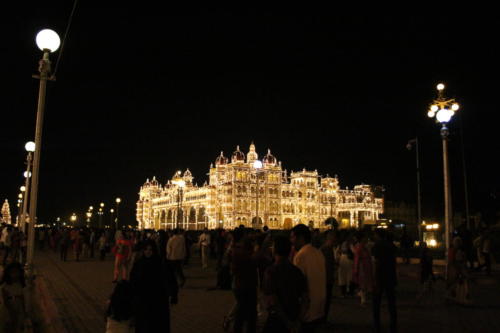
73, 219
419, 203
101, 213
30, 148
443, 110
111, 212
48, 41
180, 188
118, 201
257, 165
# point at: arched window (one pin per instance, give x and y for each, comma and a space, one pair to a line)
192, 215
201, 213
169, 216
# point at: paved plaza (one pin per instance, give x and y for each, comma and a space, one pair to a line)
80, 290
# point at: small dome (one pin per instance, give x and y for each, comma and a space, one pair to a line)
269, 159
187, 173
221, 160
238, 156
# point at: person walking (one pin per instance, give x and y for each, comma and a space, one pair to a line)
311, 262
244, 271
285, 291
328, 251
123, 252
385, 280
204, 244
344, 258
176, 253
102, 244
64, 244
154, 290
362, 269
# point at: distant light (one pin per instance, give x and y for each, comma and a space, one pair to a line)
20, 196
435, 226
102, 204
118, 200
434, 108
30, 146
432, 242
431, 114
48, 39
444, 115
440, 87
23, 188
27, 174
257, 164
455, 106
181, 183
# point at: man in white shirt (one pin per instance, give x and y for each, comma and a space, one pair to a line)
311, 262
176, 253
204, 243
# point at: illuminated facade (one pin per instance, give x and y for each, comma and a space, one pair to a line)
237, 193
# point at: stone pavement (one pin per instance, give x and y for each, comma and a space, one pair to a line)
80, 290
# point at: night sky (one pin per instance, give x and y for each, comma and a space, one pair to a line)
144, 91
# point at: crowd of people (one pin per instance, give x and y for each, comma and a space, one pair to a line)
285, 277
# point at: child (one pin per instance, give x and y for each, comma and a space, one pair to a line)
13, 294
119, 313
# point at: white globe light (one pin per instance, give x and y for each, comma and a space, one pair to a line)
440, 86
26, 174
444, 115
30, 146
48, 39
257, 164
455, 107
431, 114
23, 188
434, 108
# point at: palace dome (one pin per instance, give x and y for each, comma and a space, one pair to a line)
238, 156
269, 159
221, 159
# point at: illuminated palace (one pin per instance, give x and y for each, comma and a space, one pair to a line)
239, 193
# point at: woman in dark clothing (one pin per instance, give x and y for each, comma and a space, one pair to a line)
155, 288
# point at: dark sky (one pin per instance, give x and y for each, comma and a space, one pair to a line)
144, 91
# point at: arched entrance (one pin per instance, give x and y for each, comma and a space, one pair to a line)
287, 223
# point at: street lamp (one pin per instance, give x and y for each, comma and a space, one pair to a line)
73, 219
111, 211
443, 110
257, 165
48, 41
409, 146
30, 148
100, 213
180, 188
118, 201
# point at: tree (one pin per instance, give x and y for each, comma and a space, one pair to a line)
6, 212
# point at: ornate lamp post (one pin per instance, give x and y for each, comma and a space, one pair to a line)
257, 165
48, 41
443, 110
73, 219
30, 148
180, 188
101, 213
118, 201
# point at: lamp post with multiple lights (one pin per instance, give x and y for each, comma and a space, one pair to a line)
180, 188
443, 109
30, 148
48, 41
101, 213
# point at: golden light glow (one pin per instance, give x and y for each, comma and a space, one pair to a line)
118, 200
102, 204
230, 196
432, 242
434, 108
440, 86
455, 106
23, 188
